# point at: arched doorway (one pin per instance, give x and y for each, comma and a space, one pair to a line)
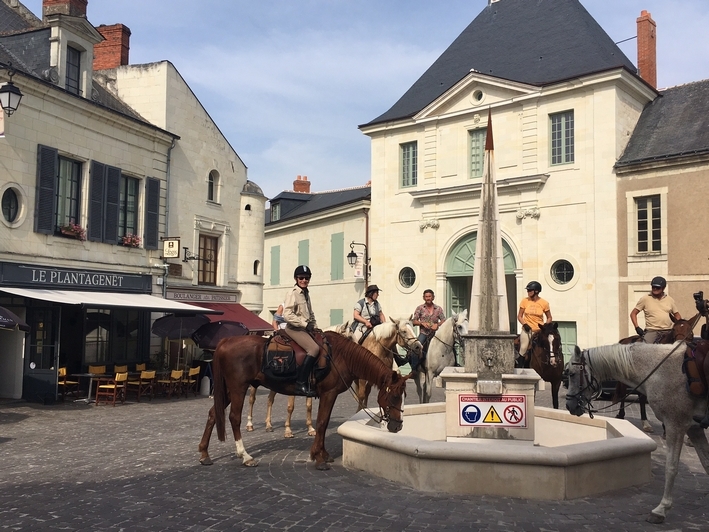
459, 277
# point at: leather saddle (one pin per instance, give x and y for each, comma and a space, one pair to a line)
282, 356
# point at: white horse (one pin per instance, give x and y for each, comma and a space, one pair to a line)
441, 353
656, 371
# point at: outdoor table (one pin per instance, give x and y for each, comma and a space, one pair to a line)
91, 377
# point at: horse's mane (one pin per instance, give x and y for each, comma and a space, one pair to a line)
384, 331
361, 362
616, 361
447, 326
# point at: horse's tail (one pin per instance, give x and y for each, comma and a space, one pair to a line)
220, 395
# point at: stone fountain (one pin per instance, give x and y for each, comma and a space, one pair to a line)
488, 438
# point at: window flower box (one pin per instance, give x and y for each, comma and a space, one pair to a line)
130, 240
73, 231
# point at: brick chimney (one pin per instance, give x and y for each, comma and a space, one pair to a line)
73, 8
301, 184
647, 48
113, 52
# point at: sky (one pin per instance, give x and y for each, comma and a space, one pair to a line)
288, 82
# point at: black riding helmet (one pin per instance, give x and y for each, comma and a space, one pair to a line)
534, 285
658, 282
302, 271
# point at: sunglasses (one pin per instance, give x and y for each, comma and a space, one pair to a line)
303, 278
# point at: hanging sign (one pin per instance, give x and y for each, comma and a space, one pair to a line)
509, 411
359, 266
171, 249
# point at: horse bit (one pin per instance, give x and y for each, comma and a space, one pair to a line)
590, 383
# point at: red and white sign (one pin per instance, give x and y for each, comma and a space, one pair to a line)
509, 411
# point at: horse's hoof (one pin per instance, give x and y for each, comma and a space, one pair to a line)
288, 435
655, 519
206, 461
249, 429
329, 460
251, 463
323, 467
312, 432
648, 428
269, 429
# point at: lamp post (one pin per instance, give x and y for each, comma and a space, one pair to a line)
10, 95
352, 260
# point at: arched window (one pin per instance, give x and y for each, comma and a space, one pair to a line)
248, 207
213, 186
257, 263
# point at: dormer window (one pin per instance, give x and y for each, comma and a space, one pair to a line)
275, 212
73, 70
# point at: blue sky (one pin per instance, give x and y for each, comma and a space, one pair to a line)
289, 81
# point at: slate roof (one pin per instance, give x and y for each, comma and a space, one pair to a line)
316, 202
537, 42
673, 125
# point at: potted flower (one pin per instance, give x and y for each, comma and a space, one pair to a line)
131, 240
74, 231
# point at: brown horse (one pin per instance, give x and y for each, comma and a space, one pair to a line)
681, 330
545, 357
237, 364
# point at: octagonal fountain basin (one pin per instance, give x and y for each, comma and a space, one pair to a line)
570, 457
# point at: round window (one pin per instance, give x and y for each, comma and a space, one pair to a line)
478, 95
562, 271
407, 277
10, 205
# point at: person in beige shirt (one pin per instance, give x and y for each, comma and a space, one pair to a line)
657, 307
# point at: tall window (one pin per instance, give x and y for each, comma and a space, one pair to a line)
649, 224
275, 212
73, 70
208, 260
409, 169
67, 195
128, 207
562, 137
213, 186
477, 151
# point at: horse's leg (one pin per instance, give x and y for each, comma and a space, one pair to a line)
250, 418
237, 404
204, 442
419, 386
367, 391
269, 410
309, 416
619, 395
555, 394
699, 438
675, 437
291, 407
643, 413
317, 450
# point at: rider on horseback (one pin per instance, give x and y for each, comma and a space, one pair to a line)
533, 312
657, 307
367, 314
428, 317
300, 323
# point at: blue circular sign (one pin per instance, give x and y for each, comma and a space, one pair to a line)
471, 414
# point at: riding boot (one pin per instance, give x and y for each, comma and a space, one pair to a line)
302, 382
413, 361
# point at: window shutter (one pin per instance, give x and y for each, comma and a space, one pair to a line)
152, 213
337, 256
304, 252
45, 205
97, 182
275, 265
113, 183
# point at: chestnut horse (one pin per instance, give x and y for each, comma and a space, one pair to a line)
237, 364
546, 358
681, 330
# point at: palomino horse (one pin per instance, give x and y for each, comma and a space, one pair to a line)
441, 353
656, 370
343, 329
546, 358
382, 341
238, 362
681, 330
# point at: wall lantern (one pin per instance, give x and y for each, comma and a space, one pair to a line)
10, 95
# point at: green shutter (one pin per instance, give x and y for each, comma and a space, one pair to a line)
304, 252
275, 265
337, 256
336, 316
567, 332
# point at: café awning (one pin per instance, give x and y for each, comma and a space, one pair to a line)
109, 300
237, 313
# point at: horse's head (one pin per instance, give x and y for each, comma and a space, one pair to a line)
406, 337
548, 339
460, 325
582, 386
682, 329
391, 400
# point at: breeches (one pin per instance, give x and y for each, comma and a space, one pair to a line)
304, 340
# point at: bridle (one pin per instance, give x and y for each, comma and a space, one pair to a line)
457, 340
586, 382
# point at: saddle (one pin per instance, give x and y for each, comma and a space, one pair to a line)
696, 367
282, 357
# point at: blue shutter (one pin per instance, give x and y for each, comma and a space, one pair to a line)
113, 183
152, 213
45, 204
97, 186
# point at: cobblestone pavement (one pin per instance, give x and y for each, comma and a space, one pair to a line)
71, 466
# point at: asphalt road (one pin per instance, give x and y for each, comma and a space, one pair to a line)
71, 466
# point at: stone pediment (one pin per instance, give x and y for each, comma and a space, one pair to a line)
78, 26
475, 93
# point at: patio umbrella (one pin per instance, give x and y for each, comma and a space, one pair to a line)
11, 322
175, 326
209, 335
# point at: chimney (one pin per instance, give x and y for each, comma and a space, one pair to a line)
647, 48
113, 52
301, 184
73, 8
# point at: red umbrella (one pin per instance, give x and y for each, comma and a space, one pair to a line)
209, 335
11, 322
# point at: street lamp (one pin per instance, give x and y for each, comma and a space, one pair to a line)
352, 260
10, 95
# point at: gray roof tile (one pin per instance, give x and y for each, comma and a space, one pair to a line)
316, 202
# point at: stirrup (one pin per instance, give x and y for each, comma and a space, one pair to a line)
303, 390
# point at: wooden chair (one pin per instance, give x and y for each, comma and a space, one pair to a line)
140, 367
66, 386
173, 385
120, 369
112, 388
97, 370
190, 382
144, 385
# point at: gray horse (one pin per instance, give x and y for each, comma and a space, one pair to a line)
656, 371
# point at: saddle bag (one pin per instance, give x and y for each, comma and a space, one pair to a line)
695, 384
279, 361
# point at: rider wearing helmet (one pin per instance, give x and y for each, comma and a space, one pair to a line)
300, 323
657, 307
533, 309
